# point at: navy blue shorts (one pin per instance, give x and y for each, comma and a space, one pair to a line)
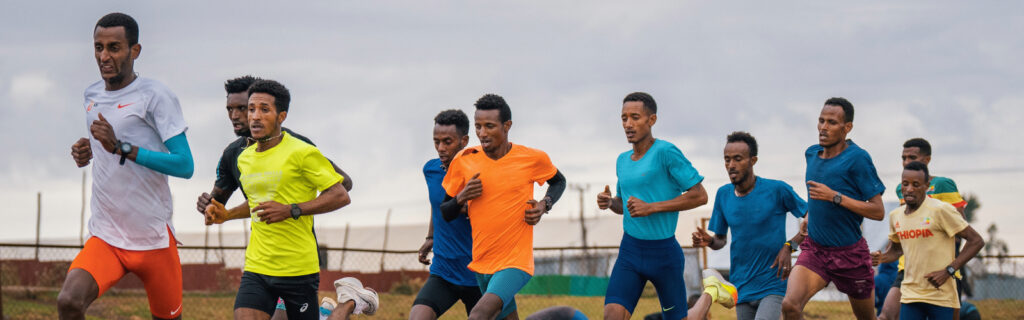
657, 261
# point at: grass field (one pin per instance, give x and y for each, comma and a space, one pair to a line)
132, 305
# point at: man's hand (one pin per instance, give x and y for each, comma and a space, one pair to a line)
535, 211
472, 190
425, 250
203, 202
638, 208
215, 212
818, 191
103, 132
701, 238
876, 258
937, 278
604, 199
271, 211
783, 262
81, 151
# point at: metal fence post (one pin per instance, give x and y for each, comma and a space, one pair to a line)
39, 218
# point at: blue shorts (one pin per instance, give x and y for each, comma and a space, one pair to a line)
921, 310
504, 284
657, 261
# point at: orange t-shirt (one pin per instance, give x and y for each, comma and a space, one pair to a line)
501, 237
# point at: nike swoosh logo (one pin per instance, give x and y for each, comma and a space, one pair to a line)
119, 106
176, 310
669, 308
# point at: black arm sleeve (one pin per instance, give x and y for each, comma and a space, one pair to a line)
226, 181
556, 185
450, 208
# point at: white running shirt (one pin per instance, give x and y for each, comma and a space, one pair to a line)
131, 204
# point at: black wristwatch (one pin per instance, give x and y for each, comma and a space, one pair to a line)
837, 199
950, 270
125, 148
296, 212
547, 203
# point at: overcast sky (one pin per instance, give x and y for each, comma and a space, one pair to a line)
368, 77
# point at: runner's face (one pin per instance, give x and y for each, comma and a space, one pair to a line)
915, 186
238, 113
637, 121
832, 126
264, 120
738, 162
448, 142
113, 54
491, 132
914, 154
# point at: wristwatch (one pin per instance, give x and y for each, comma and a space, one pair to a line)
837, 199
296, 212
125, 148
547, 203
950, 270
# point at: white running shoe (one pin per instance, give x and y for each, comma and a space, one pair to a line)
350, 288
327, 306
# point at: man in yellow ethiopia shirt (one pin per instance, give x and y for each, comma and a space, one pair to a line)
923, 231
281, 176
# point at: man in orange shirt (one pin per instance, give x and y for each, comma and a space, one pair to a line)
495, 182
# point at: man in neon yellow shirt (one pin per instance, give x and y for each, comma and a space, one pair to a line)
281, 176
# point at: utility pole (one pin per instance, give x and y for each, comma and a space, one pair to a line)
387, 225
582, 189
344, 248
39, 218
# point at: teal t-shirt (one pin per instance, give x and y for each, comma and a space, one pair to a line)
662, 174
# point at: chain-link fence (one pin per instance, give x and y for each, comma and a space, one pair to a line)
32, 276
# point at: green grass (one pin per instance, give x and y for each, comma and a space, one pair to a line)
133, 305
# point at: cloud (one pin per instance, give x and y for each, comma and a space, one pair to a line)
367, 79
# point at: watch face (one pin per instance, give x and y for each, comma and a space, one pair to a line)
126, 148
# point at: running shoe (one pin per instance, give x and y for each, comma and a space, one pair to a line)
721, 291
350, 288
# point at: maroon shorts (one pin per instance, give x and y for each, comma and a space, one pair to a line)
848, 267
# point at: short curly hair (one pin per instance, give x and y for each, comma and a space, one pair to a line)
644, 98
741, 136
454, 117
117, 19
492, 101
281, 95
240, 84
921, 144
842, 103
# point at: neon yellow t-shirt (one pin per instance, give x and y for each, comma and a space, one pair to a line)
927, 240
291, 172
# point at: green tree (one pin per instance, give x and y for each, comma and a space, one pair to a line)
973, 204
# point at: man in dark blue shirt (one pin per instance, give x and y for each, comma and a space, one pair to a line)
450, 280
843, 188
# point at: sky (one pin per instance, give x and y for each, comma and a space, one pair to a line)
367, 78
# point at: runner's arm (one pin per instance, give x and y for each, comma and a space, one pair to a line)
694, 197
332, 198
177, 163
450, 208
871, 209
892, 253
347, 182
973, 246
556, 186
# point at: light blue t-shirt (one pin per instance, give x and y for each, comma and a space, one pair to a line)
851, 173
758, 223
662, 174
